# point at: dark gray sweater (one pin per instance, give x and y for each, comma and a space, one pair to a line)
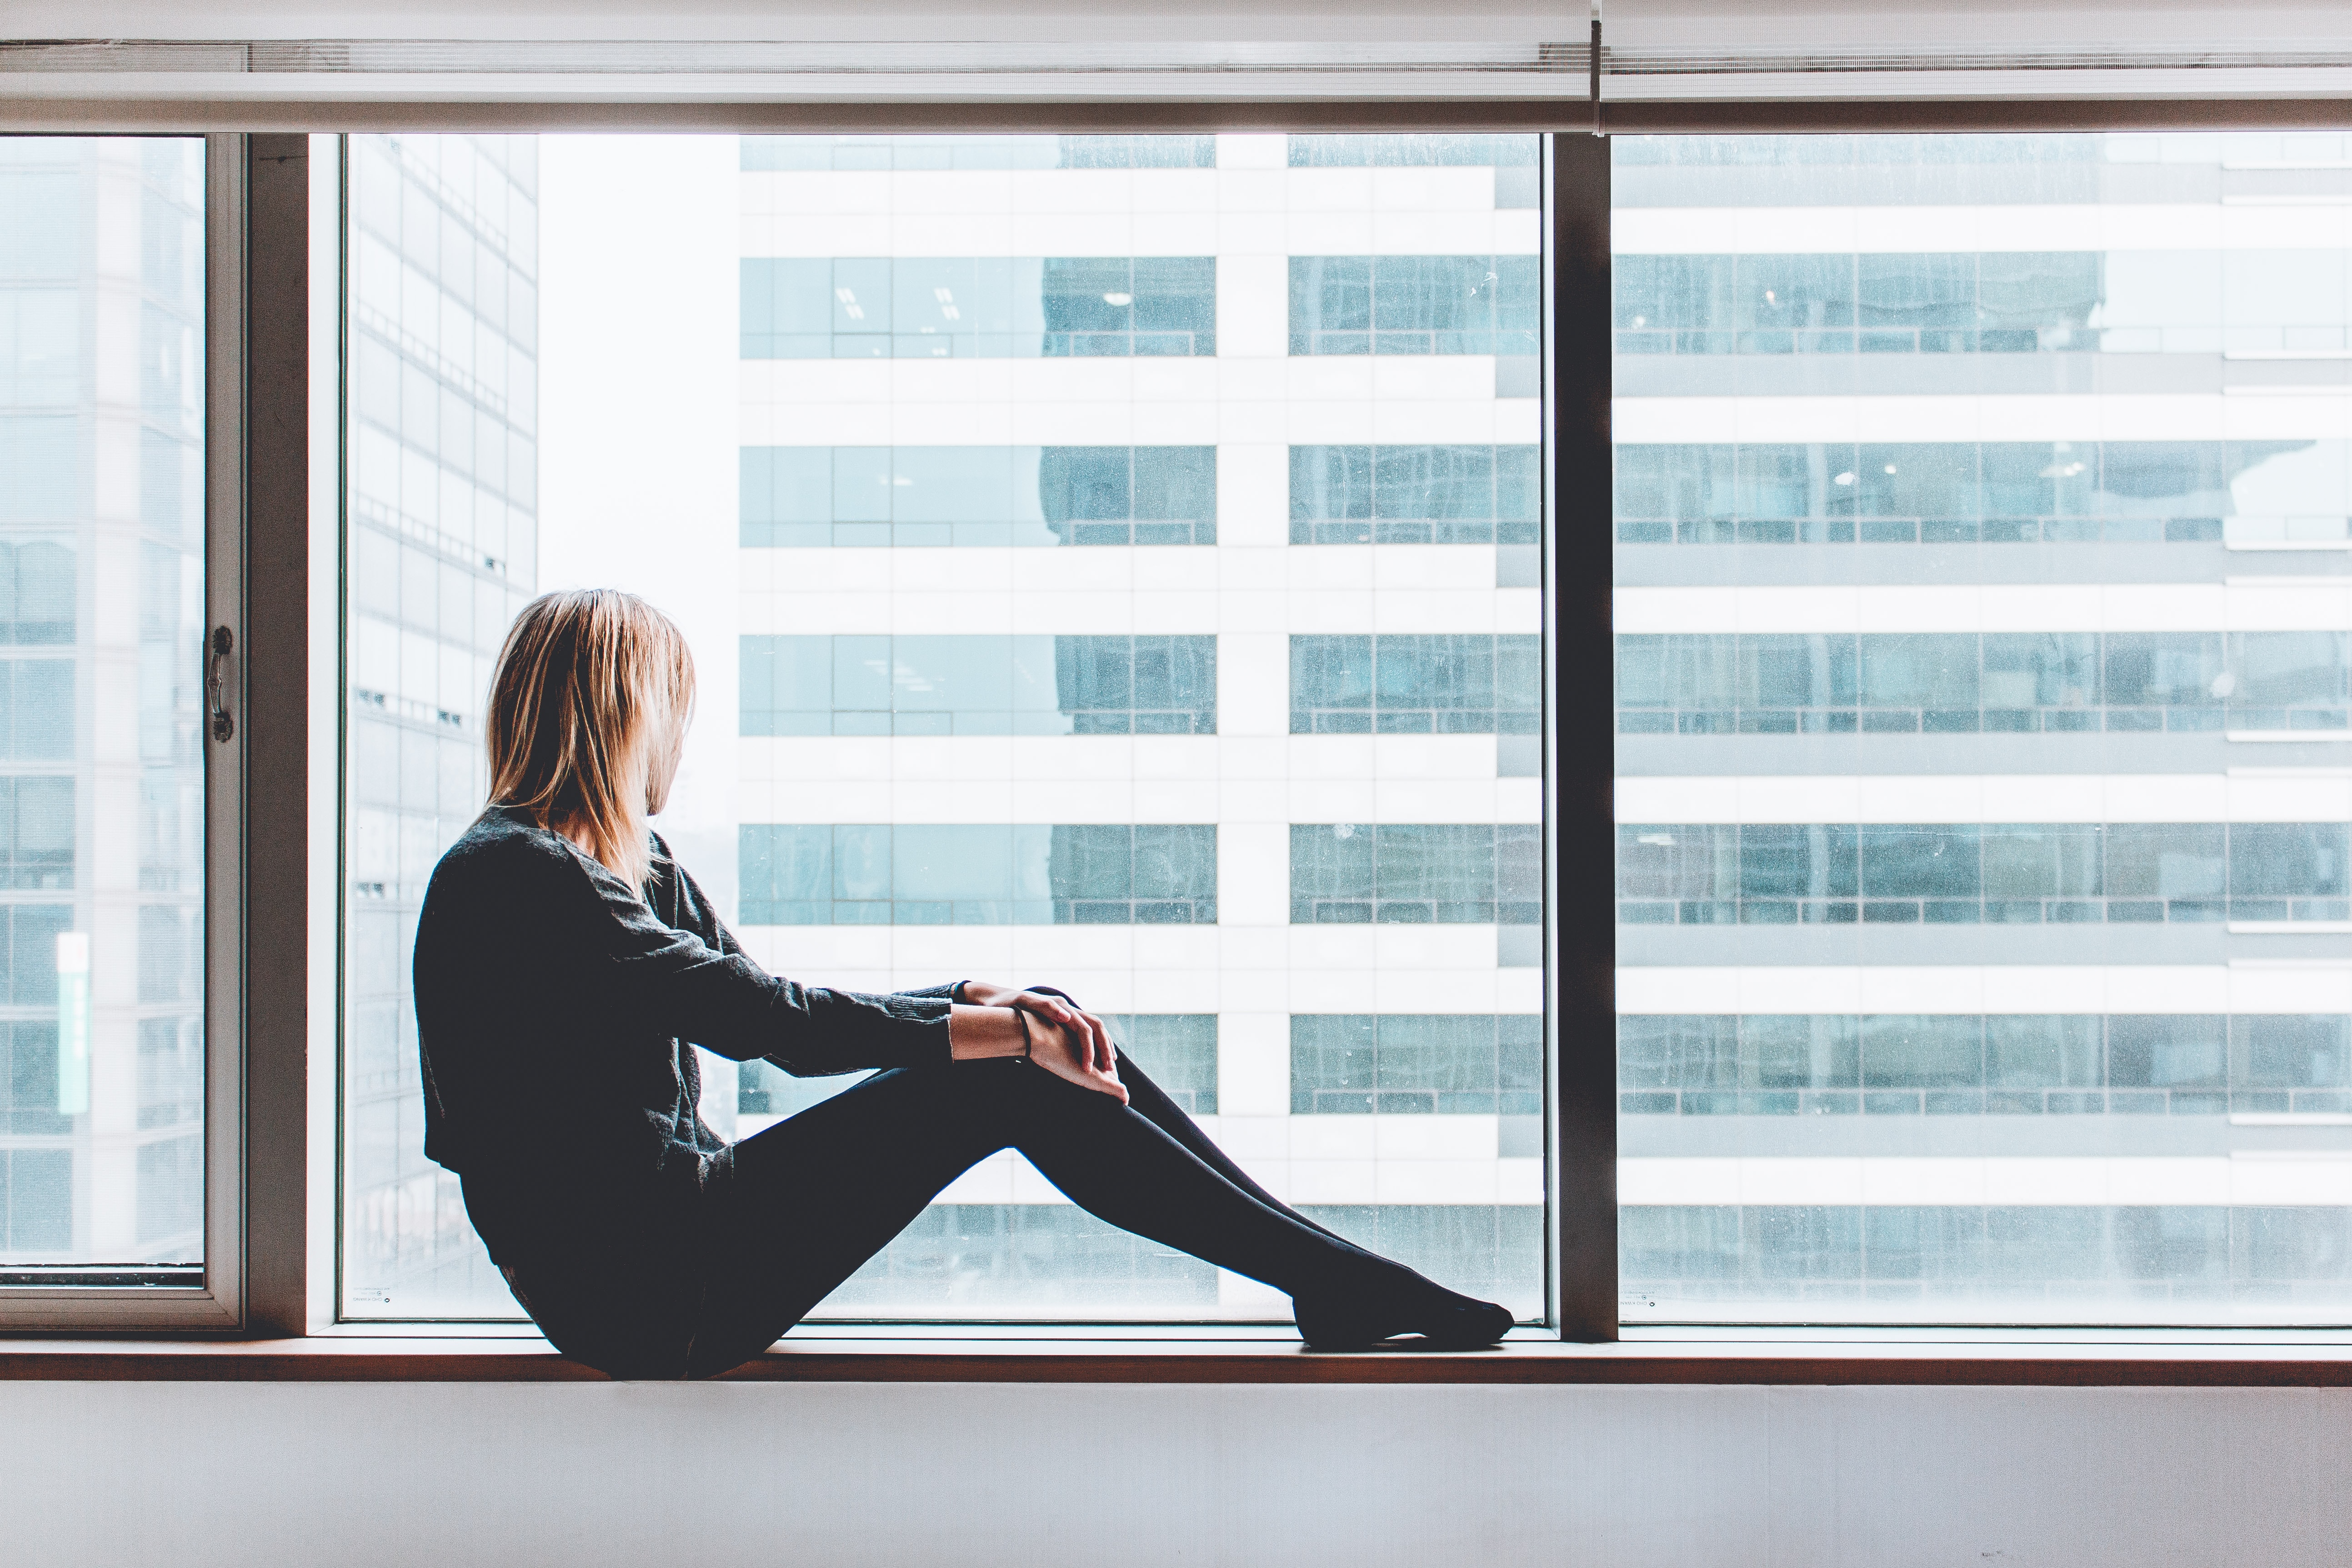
553, 1011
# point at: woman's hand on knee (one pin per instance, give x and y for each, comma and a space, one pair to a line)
1080, 1051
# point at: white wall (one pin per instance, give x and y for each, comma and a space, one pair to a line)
905, 1476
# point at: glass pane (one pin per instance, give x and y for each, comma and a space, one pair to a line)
442, 549
101, 746
1984, 667
1000, 526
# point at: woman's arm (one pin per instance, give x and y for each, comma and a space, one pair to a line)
978, 1033
670, 981
1051, 1006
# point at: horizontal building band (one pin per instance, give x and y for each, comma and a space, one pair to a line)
979, 1259
1950, 1149
2296, 1178
1416, 305
917, 496
1262, 784
2117, 564
912, 685
868, 154
1763, 203
2069, 1261
1420, 874
2000, 1064
1967, 874
1400, 494
1515, 154
2288, 416
1244, 399
2251, 793
1937, 491
2035, 986
1261, 968
2119, 942
2246, 603
1051, 306
1937, 683
1933, 753
972, 874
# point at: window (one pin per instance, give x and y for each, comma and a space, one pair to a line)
801, 495
103, 760
1981, 691
1098, 638
1416, 495
1056, 307
442, 537
1030, 685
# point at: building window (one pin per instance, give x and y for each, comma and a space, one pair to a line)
979, 686
1408, 1063
2252, 492
1391, 873
1995, 874
1054, 307
928, 748
2049, 683
968, 873
794, 496
1416, 495
1995, 302
1971, 716
102, 795
1415, 305
1420, 683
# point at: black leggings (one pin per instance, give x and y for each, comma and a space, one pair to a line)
795, 1210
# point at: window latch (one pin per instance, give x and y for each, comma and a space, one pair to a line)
216, 684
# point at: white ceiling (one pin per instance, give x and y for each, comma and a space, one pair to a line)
1359, 51
1803, 25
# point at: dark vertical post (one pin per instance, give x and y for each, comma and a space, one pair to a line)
1582, 703
274, 661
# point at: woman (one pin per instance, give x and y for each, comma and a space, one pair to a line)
565, 963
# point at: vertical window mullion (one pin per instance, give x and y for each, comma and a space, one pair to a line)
1583, 1100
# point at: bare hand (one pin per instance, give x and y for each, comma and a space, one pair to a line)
1079, 1051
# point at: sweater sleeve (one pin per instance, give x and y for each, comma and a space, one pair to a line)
673, 981
695, 913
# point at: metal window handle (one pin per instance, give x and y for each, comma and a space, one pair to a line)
216, 683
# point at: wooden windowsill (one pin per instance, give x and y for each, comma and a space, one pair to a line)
509, 1359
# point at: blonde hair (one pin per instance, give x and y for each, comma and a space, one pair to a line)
588, 706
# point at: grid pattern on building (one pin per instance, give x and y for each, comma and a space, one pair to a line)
101, 768
1981, 964
443, 540
1132, 790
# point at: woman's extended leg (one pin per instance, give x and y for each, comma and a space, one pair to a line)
811, 1199
1151, 1102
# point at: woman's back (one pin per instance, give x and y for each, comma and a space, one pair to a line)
547, 1085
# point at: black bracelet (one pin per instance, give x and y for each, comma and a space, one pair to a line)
1028, 1039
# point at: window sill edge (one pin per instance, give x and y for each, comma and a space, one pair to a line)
337, 1359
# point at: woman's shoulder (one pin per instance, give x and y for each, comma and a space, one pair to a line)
502, 845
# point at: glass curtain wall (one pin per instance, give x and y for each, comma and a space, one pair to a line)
102, 760
441, 548
1982, 662
1136, 549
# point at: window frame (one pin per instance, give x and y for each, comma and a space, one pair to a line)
221, 1302
299, 1237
